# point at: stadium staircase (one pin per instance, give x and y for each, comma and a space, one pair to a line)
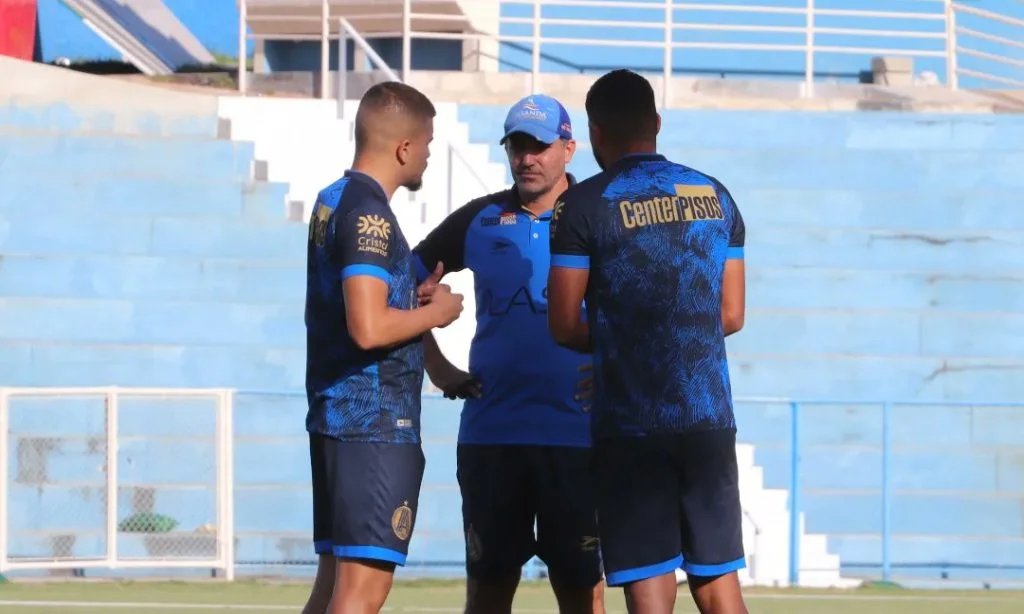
145, 32
884, 255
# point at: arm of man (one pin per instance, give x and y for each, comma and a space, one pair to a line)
446, 244
453, 381
734, 278
443, 251
363, 245
569, 276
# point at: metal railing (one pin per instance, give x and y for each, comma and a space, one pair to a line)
797, 444
934, 32
346, 31
876, 448
108, 434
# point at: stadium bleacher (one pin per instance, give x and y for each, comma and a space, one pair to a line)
885, 250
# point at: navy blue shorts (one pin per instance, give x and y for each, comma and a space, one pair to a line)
508, 488
669, 501
364, 497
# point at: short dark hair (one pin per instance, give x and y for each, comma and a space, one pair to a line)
391, 98
621, 104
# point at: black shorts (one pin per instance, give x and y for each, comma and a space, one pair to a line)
669, 501
506, 488
364, 497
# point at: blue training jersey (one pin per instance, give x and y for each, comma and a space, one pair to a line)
529, 381
356, 394
655, 237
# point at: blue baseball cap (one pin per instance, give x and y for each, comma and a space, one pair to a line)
539, 116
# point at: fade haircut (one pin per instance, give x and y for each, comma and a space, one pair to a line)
386, 104
621, 104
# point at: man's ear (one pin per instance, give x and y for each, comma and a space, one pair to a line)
570, 150
595, 135
657, 124
402, 151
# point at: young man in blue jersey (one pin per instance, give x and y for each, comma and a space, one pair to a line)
364, 369
656, 249
524, 438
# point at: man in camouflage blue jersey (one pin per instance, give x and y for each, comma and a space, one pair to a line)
364, 369
656, 251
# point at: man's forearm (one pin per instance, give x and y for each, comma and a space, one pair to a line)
577, 338
392, 327
434, 360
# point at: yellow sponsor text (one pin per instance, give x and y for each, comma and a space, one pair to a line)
690, 203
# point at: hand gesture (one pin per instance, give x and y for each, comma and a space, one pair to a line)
457, 384
426, 289
447, 305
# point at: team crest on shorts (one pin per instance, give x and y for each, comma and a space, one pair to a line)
401, 521
474, 550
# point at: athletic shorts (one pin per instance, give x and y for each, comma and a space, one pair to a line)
365, 497
508, 488
669, 501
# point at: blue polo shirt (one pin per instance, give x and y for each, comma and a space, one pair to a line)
529, 381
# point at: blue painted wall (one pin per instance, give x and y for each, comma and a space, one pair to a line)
215, 24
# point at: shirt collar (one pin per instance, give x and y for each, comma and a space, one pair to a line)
514, 203
635, 158
369, 181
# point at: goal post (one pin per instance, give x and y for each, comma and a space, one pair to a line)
116, 478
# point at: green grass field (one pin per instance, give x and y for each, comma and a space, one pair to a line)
88, 597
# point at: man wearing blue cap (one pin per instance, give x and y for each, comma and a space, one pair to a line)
524, 438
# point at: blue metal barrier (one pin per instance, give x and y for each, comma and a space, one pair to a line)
797, 412
895, 459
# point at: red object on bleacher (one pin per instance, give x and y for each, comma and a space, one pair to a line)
18, 28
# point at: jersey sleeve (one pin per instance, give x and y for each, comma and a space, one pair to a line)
364, 242
571, 236
446, 243
738, 230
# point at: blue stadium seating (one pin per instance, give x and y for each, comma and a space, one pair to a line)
879, 268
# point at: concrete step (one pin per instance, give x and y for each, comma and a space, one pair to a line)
35, 233
990, 431
153, 278
33, 364
949, 558
810, 376
945, 251
846, 169
918, 209
881, 332
833, 130
153, 322
822, 288
69, 117
139, 196
75, 156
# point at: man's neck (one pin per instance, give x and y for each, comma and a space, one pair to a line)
542, 203
635, 149
371, 170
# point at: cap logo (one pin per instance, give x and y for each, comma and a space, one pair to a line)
535, 115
